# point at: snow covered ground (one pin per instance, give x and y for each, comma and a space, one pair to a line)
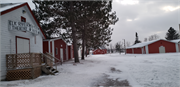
140, 70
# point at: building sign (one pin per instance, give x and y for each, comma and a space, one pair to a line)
23, 26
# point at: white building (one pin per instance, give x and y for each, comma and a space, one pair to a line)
179, 29
19, 32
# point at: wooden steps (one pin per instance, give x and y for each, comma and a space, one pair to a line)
49, 70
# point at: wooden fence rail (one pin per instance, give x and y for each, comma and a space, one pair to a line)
23, 66
23, 60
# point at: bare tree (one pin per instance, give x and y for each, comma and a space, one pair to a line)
145, 39
111, 48
128, 44
153, 37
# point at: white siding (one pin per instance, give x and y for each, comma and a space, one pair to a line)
147, 50
177, 47
8, 38
132, 50
142, 50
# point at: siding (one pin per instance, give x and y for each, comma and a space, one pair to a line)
137, 51
169, 47
60, 44
69, 52
128, 50
45, 47
8, 41
99, 51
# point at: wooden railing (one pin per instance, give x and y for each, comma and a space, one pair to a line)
23, 60
50, 60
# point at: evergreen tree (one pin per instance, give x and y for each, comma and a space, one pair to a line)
118, 47
56, 16
137, 40
84, 21
172, 34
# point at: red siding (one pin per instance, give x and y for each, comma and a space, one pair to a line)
60, 44
51, 47
154, 47
105, 51
128, 50
69, 52
45, 47
137, 51
72, 51
99, 51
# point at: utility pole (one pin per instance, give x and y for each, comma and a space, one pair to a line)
124, 47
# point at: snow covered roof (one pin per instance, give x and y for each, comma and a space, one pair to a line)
57, 39
143, 44
175, 41
6, 6
102, 47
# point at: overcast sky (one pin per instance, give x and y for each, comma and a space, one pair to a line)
146, 17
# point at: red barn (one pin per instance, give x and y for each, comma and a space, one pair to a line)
101, 50
70, 52
58, 47
155, 46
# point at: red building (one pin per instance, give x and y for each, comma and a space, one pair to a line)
155, 46
58, 48
101, 50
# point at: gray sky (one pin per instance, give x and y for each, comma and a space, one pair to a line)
146, 17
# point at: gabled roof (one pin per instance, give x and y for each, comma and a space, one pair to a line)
175, 41
8, 7
102, 47
138, 45
57, 39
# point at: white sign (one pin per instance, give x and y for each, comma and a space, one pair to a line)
23, 26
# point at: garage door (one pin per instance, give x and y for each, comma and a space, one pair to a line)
22, 45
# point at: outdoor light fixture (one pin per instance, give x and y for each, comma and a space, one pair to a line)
23, 11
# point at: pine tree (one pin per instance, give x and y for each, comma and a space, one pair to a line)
137, 40
172, 34
84, 21
55, 16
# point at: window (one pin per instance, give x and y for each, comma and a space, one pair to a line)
23, 19
56, 51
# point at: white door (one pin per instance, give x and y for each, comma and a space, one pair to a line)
61, 54
161, 49
22, 45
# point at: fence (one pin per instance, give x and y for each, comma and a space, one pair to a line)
23, 66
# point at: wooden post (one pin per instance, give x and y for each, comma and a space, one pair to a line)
31, 61
15, 61
40, 58
56, 66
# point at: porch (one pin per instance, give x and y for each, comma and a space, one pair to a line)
27, 65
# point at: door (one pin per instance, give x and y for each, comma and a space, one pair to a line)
61, 54
161, 49
22, 45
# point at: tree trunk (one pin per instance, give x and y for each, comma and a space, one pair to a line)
86, 46
76, 59
83, 35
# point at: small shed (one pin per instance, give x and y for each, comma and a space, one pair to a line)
155, 46
58, 48
70, 51
21, 39
100, 50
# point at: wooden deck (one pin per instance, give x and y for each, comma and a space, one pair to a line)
23, 66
